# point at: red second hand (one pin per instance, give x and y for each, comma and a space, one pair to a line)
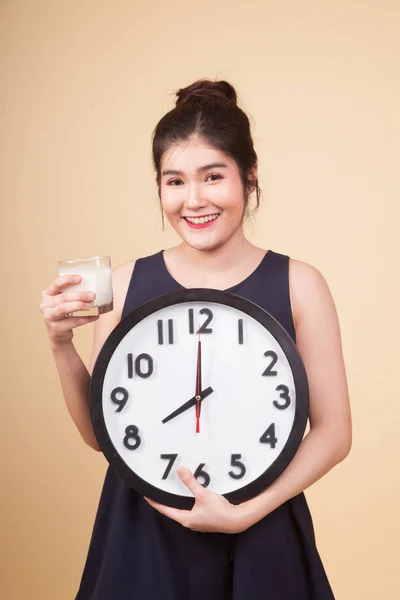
198, 396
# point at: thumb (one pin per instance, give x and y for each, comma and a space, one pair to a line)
190, 481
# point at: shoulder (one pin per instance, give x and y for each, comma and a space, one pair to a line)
308, 288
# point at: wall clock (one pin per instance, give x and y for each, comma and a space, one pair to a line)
202, 378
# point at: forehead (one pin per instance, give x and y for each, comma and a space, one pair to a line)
190, 155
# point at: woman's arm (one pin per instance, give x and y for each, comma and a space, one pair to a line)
75, 384
319, 343
74, 377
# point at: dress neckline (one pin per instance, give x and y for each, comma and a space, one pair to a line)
231, 289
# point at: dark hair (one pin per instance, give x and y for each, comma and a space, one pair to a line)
209, 109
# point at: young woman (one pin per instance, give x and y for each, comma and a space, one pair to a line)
262, 549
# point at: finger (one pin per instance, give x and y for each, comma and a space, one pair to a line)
190, 481
61, 282
173, 513
86, 299
67, 308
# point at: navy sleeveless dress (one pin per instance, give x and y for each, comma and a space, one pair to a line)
136, 553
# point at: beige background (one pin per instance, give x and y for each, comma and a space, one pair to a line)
83, 85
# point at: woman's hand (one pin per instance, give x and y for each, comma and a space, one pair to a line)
56, 305
211, 511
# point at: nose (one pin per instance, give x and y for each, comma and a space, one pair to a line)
194, 199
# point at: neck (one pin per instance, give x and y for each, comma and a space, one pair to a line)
228, 255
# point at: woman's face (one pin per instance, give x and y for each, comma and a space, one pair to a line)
201, 194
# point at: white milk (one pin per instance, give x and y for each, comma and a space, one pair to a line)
95, 279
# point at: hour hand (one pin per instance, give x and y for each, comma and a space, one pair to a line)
188, 404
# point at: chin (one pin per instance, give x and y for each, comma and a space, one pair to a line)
205, 245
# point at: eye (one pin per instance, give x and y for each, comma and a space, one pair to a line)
172, 182
215, 175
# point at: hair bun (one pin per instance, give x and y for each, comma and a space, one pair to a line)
205, 90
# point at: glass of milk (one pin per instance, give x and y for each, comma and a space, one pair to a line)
96, 277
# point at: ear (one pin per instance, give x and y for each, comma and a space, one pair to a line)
253, 178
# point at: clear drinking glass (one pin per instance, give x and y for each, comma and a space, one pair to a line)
96, 277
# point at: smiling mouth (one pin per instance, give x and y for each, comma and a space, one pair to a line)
202, 220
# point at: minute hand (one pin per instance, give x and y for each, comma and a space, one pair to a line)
188, 404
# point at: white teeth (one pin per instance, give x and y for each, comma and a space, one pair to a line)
198, 220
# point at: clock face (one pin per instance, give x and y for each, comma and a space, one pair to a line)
204, 379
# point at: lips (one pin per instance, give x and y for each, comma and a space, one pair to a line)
204, 224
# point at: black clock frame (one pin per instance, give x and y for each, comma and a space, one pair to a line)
199, 295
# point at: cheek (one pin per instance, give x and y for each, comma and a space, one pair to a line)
231, 201
171, 203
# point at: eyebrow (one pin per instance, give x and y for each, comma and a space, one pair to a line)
219, 165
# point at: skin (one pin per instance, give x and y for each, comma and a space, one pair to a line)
220, 256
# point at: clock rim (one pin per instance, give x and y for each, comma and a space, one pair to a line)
246, 306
